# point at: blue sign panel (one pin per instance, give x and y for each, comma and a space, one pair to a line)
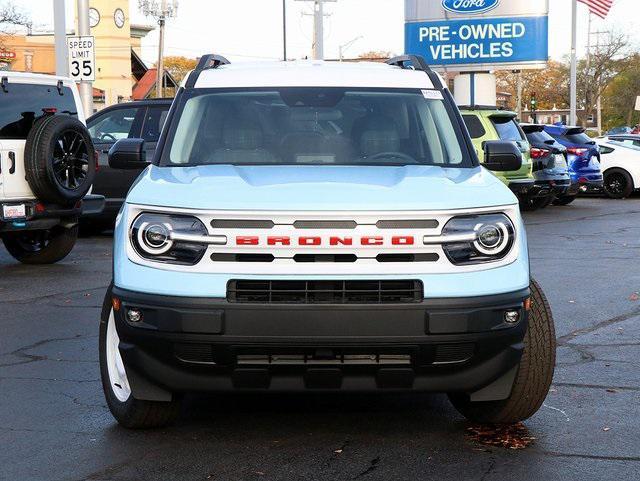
469, 6
479, 40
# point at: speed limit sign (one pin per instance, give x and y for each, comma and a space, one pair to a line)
82, 61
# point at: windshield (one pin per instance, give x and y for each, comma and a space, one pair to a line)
507, 128
540, 137
314, 126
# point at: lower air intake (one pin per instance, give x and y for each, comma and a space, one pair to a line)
325, 292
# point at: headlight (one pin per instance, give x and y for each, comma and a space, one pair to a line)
477, 239
174, 239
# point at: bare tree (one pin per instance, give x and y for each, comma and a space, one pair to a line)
10, 18
607, 60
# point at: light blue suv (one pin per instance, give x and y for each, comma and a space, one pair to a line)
321, 227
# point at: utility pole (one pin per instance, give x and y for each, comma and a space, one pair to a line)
519, 95
318, 27
166, 9
60, 34
573, 117
598, 86
86, 86
284, 30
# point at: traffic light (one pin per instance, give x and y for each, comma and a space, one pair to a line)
533, 102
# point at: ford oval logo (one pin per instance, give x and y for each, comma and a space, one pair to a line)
469, 6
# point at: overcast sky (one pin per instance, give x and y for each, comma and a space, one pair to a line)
252, 29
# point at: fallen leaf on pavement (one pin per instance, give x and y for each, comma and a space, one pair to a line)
514, 436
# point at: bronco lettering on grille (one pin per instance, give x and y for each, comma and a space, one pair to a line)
320, 241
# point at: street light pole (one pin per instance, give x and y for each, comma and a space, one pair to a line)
160, 12
160, 71
60, 34
86, 86
573, 117
284, 30
342, 48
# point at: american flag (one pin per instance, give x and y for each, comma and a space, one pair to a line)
598, 7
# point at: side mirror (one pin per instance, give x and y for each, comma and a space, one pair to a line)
128, 154
502, 156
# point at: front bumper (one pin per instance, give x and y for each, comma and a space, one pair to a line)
210, 344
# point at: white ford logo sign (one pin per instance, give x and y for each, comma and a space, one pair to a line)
469, 6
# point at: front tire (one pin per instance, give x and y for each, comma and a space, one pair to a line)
129, 412
41, 246
535, 372
618, 184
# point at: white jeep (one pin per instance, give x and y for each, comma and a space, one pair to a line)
47, 165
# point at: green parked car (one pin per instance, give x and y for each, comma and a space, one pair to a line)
489, 123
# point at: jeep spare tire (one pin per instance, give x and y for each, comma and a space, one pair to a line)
59, 159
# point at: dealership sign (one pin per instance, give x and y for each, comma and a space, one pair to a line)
469, 6
478, 34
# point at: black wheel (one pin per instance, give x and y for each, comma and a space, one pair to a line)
534, 376
618, 184
564, 200
59, 159
41, 246
128, 411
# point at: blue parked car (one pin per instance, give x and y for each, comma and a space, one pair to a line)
583, 157
309, 226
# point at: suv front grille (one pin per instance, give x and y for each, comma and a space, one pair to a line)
325, 292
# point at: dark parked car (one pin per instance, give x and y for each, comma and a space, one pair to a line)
550, 168
142, 119
583, 159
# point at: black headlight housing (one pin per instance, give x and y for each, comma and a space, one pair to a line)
493, 238
151, 236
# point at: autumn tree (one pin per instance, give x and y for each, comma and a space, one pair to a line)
619, 97
551, 85
376, 55
179, 66
607, 60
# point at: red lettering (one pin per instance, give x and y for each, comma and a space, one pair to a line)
247, 241
371, 241
402, 240
309, 241
285, 241
345, 241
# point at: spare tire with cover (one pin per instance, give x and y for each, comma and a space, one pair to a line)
59, 159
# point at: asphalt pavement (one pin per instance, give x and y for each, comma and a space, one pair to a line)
54, 423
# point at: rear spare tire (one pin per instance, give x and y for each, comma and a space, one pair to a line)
41, 246
59, 159
534, 376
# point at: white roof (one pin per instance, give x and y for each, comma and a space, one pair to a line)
35, 78
307, 73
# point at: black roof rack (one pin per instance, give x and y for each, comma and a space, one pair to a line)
206, 62
418, 63
483, 107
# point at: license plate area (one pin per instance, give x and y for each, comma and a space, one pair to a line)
14, 211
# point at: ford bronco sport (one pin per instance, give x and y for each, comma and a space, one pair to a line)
47, 163
321, 227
